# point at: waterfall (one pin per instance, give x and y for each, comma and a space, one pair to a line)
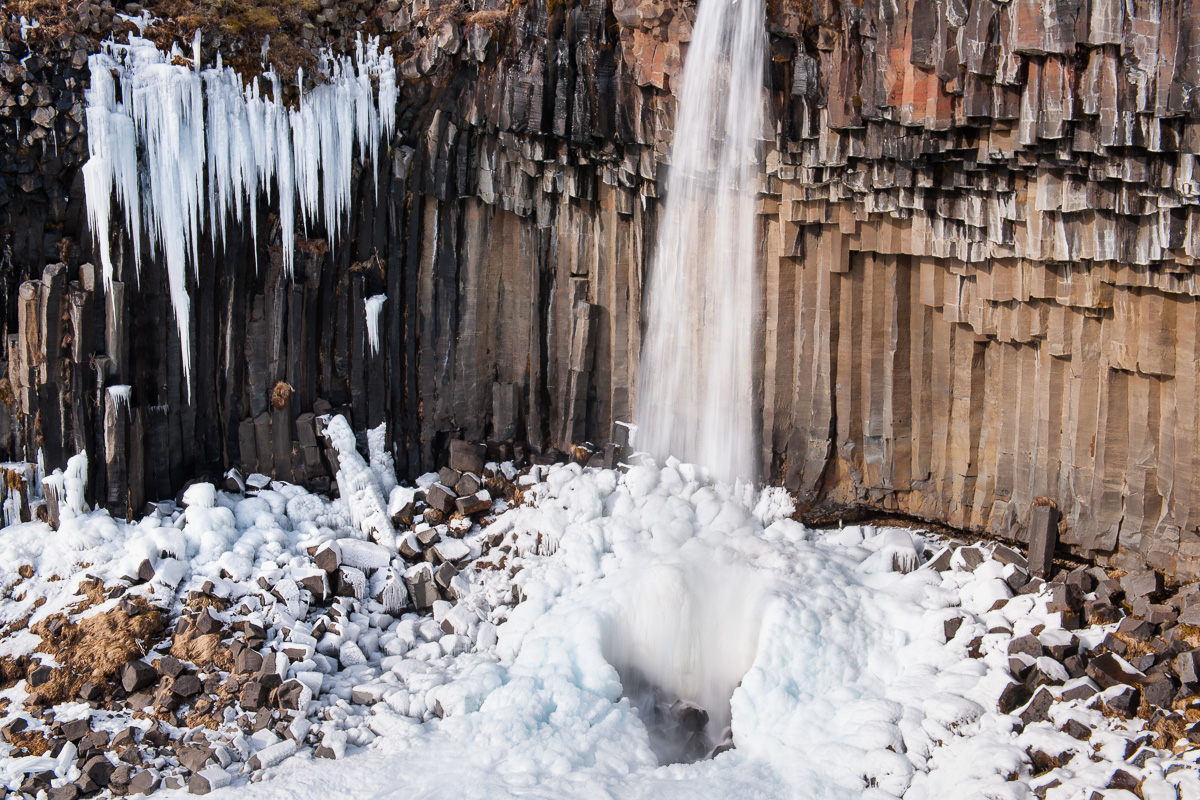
695, 379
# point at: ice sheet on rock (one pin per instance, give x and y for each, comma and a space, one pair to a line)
359, 485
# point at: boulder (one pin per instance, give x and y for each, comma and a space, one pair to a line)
467, 457
136, 675
1043, 539
441, 498
145, 782
1147, 583
195, 756
207, 780
1109, 669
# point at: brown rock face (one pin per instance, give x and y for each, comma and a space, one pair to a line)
979, 225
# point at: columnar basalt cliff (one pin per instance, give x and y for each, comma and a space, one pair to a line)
978, 239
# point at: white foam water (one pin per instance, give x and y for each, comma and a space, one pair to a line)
695, 382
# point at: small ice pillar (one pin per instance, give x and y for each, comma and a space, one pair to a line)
373, 306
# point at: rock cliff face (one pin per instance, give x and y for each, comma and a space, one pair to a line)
979, 229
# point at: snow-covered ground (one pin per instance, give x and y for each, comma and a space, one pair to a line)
825, 652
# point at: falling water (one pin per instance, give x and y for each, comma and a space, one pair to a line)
695, 379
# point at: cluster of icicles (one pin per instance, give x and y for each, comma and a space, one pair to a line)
183, 149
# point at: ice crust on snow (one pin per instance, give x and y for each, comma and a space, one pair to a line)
181, 148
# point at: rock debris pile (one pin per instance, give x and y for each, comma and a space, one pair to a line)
212, 641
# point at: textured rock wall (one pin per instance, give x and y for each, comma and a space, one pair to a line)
979, 231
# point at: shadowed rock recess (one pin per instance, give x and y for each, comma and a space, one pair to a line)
978, 240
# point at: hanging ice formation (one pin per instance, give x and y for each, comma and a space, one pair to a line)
695, 384
182, 147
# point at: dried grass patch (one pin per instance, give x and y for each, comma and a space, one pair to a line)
202, 650
95, 649
201, 602
29, 743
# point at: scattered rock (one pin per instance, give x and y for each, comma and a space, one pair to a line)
207, 780
467, 457
137, 675
1109, 669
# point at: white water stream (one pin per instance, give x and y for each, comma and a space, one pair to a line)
695, 382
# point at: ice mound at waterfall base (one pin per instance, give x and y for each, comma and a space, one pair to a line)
825, 652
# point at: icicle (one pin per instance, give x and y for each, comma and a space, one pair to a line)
121, 395
197, 126
373, 306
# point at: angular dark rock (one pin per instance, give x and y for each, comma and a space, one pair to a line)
207, 780
441, 498
1136, 629
1077, 730
169, 666
93, 742
118, 782
1020, 665
187, 686
468, 484
73, 730
1109, 669
1037, 708
68, 791
317, 585
1006, 555
290, 694
327, 558
940, 562
145, 782
472, 505
1078, 691
195, 756
145, 571
137, 675
1147, 583
1123, 702
40, 675
1187, 666
467, 457
206, 623
1029, 644
1059, 648
422, 590
1114, 645
444, 574
1122, 779
1158, 690
1065, 599
971, 557
1100, 612
1043, 539
254, 696
1075, 665
98, 769
1081, 579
